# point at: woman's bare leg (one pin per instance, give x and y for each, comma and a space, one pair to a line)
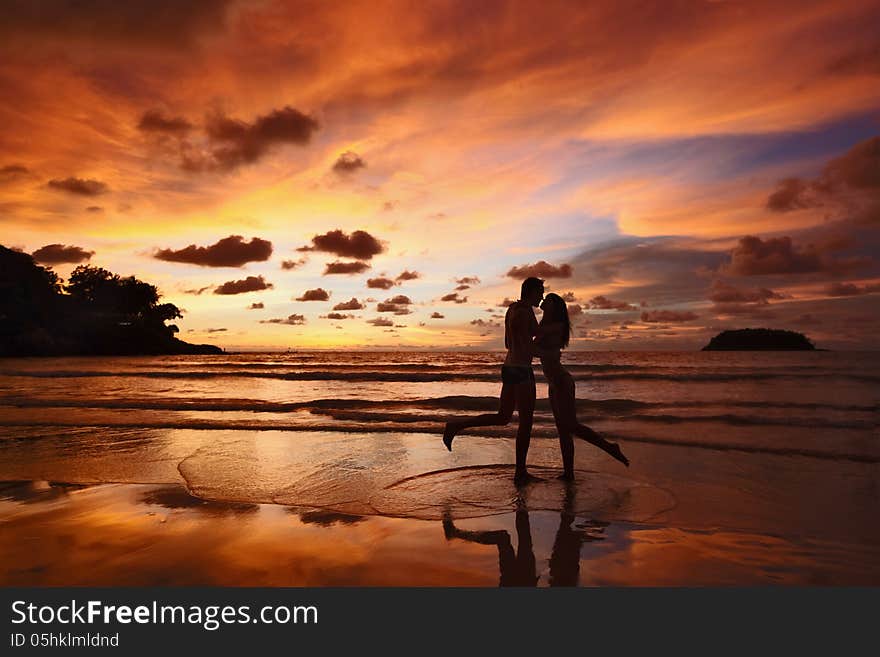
568, 418
612, 449
506, 404
566, 444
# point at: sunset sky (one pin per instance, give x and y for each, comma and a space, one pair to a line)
325, 174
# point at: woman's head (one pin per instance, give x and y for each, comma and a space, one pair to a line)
555, 311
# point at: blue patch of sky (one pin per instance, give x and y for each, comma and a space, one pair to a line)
707, 158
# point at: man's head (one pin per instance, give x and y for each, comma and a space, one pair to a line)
532, 291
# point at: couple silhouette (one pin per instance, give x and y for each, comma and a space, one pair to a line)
525, 339
519, 567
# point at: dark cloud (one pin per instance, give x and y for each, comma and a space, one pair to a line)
397, 305
602, 302
407, 275
256, 306
94, 209
734, 308
12, 172
80, 186
851, 180
234, 142
348, 163
231, 251
159, 23
249, 284
652, 316
540, 269
851, 289
468, 280
482, 322
730, 300
778, 255
338, 316
318, 294
505, 303
199, 290
351, 304
340, 267
380, 283
59, 254
453, 296
156, 121
359, 245
858, 168
292, 320
791, 194
215, 330
436, 315
722, 292
462, 288
380, 321
293, 264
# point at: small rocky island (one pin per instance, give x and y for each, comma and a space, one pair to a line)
96, 313
759, 340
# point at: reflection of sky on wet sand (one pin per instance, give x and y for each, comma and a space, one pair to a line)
159, 535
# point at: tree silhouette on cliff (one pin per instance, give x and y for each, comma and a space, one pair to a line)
96, 312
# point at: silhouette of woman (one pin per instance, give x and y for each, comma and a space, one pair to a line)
565, 559
552, 339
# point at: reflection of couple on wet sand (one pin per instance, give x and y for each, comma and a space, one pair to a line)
525, 338
518, 567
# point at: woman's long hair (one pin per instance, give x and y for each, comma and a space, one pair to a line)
560, 314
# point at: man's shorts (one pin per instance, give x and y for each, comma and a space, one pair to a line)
516, 374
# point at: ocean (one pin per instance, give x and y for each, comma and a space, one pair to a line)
820, 404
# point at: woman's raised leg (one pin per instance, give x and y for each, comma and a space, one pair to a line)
568, 416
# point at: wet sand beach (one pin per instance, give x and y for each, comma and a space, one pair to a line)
465, 526
122, 479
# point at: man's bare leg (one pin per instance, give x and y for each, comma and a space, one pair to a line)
525, 405
506, 404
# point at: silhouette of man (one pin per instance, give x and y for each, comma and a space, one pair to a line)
517, 567
517, 377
